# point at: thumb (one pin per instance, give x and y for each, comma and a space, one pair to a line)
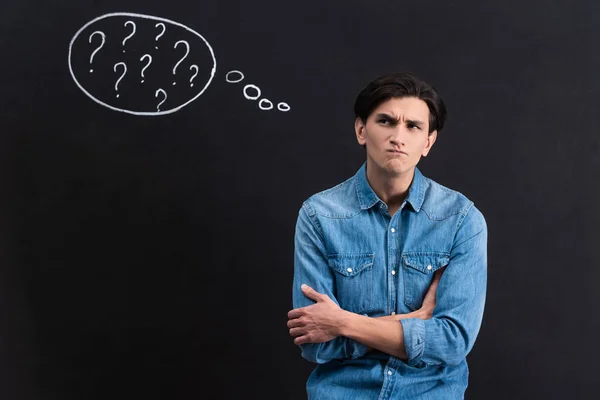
310, 292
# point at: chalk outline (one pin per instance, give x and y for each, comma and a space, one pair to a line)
150, 17
147, 65
187, 51
281, 105
103, 36
131, 35
122, 75
236, 72
156, 95
251, 86
265, 108
193, 76
160, 34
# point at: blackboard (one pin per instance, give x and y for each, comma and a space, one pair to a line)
147, 245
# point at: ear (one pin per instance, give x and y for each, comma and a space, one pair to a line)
359, 129
430, 141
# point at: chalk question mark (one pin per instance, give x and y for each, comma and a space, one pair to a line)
160, 34
193, 76
132, 33
182, 58
147, 65
122, 75
103, 36
156, 95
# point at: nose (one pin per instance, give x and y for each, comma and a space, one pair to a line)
397, 137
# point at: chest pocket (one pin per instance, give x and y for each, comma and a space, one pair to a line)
353, 280
418, 269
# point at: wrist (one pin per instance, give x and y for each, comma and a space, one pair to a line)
423, 313
345, 322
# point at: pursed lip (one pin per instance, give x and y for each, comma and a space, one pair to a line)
398, 152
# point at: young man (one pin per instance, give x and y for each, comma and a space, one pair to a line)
390, 267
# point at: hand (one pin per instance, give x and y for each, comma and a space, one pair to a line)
317, 323
426, 309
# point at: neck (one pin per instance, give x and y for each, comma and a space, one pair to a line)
392, 189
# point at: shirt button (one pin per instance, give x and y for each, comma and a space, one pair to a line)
393, 272
393, 230
349, 269
389, 372
429, 268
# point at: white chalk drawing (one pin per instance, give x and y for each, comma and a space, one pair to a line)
135, 23
246, 95
193, 76
164, 28
103, 37
147, 65
229, 80
187, 51
262, 106
199, 59
122, 75
131, 34
156, 95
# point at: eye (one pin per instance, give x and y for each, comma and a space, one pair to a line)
414, 127
385, 121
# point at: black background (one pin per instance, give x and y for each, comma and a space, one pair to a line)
152, 256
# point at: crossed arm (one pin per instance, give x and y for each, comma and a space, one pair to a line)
440, 336
325, 320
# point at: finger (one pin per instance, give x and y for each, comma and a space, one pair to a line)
294, 323
297, 332
296, 313
302, 340
310, 292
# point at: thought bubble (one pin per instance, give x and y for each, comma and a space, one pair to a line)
139, 75
253, 92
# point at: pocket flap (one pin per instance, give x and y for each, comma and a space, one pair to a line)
350, 264
426, 262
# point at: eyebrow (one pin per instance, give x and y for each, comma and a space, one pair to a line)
416, 122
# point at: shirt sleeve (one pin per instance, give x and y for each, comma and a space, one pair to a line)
311, 267
447, 337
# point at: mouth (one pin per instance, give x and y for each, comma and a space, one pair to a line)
397, 152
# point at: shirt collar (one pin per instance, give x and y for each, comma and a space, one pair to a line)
367, 197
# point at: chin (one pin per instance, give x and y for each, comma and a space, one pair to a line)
394, 169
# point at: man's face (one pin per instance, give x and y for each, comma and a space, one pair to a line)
396, 135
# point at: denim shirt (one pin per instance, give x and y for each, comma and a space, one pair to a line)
347, 246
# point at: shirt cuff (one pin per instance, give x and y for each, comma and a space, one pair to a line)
414, 339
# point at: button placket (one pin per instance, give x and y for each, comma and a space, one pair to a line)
393, 238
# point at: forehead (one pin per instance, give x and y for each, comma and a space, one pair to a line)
404, 107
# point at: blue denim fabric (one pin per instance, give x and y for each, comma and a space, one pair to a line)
348, 246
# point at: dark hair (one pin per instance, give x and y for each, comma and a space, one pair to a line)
401, 84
